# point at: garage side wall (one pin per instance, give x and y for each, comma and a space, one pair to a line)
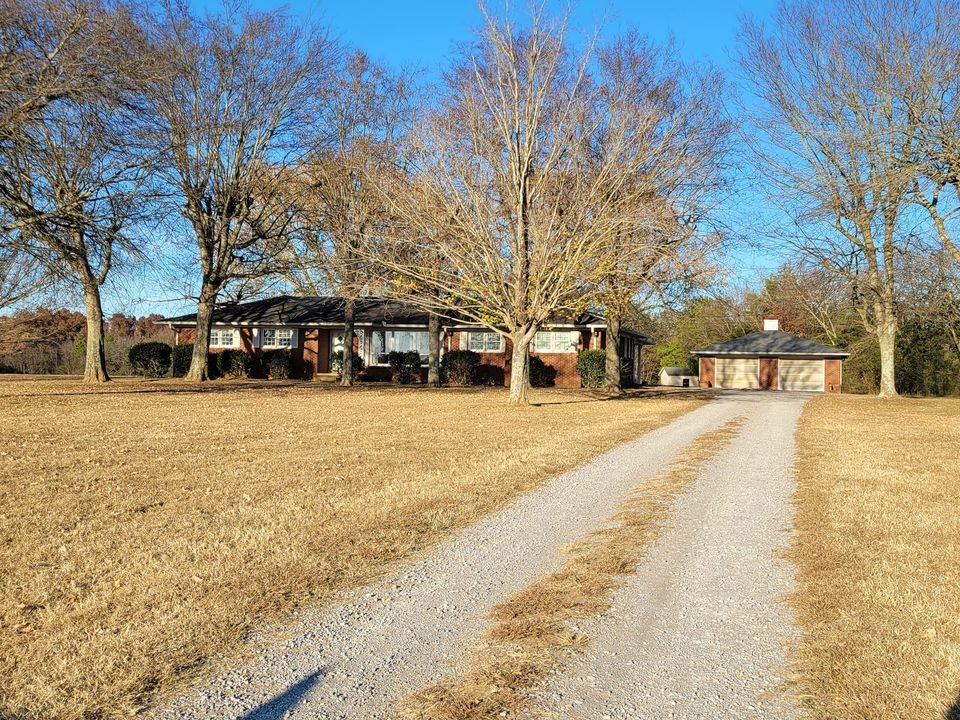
707, 367
833, 376
769, 373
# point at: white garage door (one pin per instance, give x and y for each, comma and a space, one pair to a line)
738, 373
801, 375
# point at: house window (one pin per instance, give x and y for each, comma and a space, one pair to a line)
383, 342
551, 341
484, 342
277, 338
223, 337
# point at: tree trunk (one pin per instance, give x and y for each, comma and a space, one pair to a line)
612, 379
199, 363
349, 311
887, 337
95, 366
433, 351
520, 369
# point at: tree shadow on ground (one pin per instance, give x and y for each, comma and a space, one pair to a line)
163, 386
645, 393
279, 705
953, 712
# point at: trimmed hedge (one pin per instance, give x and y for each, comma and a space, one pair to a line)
276, 364
150, 359
180, 357
592, 366
541, 374
336, 363
404, 365
233, 364
459, 367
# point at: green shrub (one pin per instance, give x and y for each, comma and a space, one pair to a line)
927, 360
861, 371
180, 357
233, 364
541, 374
592, 366
336, 363
405, 366
276, 364
459, 367
151, 359
487, 374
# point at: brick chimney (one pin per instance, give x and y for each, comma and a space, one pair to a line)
771, 324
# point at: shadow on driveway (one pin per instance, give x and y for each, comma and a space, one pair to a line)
279, 705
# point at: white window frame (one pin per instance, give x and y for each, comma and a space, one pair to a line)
216, 337
555, 341
484, 336
374, 358
277, 338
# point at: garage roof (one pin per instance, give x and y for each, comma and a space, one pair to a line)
771, 343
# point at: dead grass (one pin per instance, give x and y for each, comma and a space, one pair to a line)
532, 634
877, 547
147, 526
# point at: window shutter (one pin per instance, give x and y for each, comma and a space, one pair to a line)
256, 337
294, 338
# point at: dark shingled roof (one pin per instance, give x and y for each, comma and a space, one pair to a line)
290, 310
770, 342
328, 310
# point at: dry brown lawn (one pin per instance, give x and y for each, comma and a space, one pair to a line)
878, 552
147, 526
533, 632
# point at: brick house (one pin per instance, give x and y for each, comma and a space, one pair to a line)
311, 328
771, 360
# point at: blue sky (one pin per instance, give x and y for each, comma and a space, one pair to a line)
424, 32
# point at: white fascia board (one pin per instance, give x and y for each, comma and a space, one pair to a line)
811, 356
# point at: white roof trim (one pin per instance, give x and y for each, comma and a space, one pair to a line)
731, 353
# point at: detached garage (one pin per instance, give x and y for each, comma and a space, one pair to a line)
771, 360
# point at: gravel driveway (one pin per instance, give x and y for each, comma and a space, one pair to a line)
699, 631
710, 580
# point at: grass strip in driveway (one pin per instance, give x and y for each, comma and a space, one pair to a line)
147, 526
532, 632
877, 551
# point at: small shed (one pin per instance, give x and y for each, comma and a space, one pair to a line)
771, 360
678, 377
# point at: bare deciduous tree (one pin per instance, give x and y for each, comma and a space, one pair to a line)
838, 140
509, 193
72, 169
933, 96
21, 274
360, 134
665, 123
236, 106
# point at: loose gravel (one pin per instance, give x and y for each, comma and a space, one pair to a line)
354, 659
701, 630
709, 581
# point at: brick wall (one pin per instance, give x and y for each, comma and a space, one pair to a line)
497, 364
833, 375
707, 365
303, 363
769, 376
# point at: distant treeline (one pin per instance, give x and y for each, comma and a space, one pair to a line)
48, 341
